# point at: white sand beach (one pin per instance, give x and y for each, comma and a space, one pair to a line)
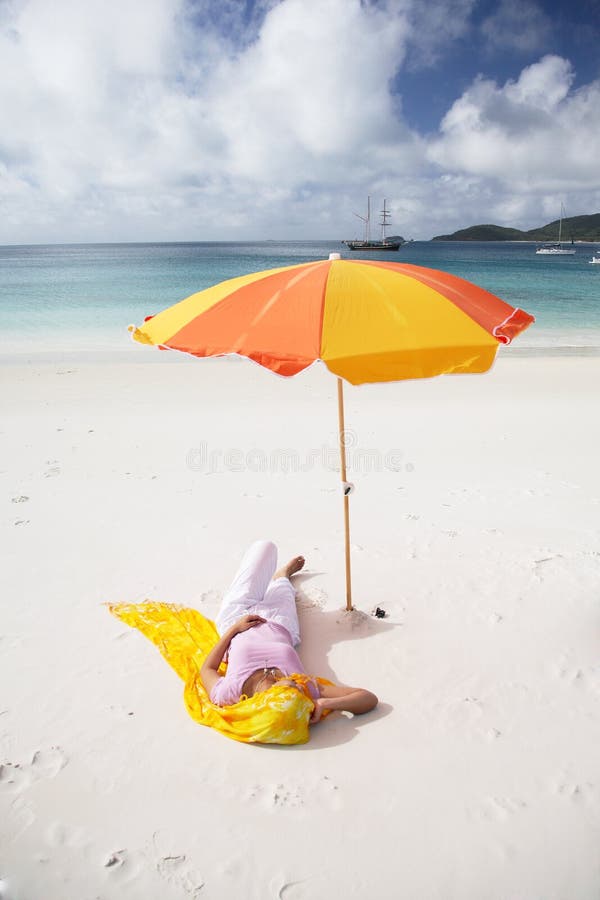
475, 524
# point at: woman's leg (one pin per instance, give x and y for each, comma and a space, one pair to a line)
249, 584
279, 605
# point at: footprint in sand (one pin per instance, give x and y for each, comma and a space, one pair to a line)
322, 792
282, 889
570, 790
48, 763
541, 568
500, 809
124, 866
462, 713
114, 859
567, 671
177, 871
283, 796
329, 793
15, 778
58, 834
272, 797
17, 819
174, 866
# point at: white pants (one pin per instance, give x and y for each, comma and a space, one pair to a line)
253, 591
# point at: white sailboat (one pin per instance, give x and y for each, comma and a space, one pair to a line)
556, 249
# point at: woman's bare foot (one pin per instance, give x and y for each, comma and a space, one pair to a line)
290, 568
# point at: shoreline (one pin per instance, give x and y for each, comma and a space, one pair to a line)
135, 357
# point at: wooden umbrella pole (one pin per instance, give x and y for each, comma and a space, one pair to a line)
340, 386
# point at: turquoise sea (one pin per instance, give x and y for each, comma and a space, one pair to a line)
83, 296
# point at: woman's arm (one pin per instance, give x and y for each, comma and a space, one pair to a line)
348, 699
209, 673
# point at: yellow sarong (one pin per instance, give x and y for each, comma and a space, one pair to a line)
185, 638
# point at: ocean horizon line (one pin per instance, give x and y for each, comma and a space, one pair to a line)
254, 241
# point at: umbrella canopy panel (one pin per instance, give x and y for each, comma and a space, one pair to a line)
368, 321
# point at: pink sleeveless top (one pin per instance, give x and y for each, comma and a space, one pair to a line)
267, 645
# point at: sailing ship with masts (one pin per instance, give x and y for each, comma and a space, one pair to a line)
393, 243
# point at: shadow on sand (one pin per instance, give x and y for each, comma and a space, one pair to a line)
321, 630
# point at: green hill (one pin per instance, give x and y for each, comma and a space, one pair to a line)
579, 228
483, 233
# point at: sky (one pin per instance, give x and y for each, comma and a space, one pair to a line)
202, 120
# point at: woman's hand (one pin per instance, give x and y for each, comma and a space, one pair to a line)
348, 699
247, 622
317, 711
209, 673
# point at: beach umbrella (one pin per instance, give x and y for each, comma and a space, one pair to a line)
366, 320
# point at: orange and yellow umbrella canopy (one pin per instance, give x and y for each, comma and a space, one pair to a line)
367, 320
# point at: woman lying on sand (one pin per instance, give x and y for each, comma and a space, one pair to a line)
259, 629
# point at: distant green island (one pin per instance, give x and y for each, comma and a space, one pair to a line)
577, 228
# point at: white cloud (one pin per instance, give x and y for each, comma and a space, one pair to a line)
517, 25
144, 107
434, 26
309, 95
534, 134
